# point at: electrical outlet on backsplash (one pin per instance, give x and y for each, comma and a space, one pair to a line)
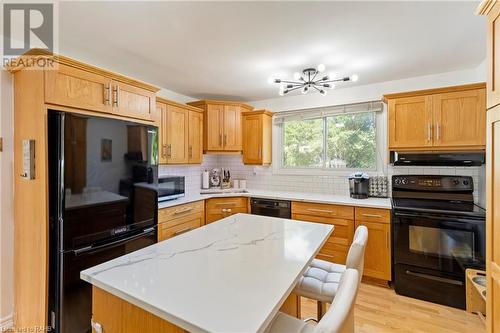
263, 178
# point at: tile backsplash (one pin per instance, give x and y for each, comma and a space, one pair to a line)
263, 178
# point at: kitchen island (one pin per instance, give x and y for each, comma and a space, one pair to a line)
229, 276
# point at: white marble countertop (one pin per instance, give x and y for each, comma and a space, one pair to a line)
232, 275
292, 196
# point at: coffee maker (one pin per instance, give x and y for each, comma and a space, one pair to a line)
359, 184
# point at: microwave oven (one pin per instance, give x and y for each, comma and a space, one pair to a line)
171, 187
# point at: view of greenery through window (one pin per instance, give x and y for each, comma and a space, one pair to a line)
349, 142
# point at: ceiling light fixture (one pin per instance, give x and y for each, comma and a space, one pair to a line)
310, 78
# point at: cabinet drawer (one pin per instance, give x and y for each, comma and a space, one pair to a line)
215, 214
334, 253
373, 215
343, 231
233, 202
171, 213
325, 210
184, 225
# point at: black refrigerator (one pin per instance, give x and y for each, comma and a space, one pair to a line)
98, 209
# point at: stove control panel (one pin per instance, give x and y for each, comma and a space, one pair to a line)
432, 183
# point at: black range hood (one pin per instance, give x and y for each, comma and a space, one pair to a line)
437, 159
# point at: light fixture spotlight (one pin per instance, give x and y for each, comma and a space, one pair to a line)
309, 79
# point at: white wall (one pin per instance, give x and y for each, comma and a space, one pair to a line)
6, 201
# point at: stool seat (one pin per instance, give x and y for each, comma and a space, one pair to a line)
320, 281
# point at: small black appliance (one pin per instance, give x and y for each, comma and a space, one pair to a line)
359, 185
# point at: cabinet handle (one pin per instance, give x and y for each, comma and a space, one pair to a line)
429, 132
220, 139
190, 152
225, 139
179, 232
164, 150
115, 96
225, 203
184, 210
438, 132
169, 150
107, 94
226, 210
260, 152
320, 210
371, 215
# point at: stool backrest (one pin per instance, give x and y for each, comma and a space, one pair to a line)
356, 255
340, 316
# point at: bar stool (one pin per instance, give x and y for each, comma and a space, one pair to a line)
321, 280
338, 319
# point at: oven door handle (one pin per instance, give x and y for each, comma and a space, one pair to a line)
435, 278
445, 218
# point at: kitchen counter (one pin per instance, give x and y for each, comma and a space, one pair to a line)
228, 276
384, 203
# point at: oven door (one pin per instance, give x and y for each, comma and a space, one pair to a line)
438, 242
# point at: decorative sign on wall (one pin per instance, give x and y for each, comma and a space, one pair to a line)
106, 150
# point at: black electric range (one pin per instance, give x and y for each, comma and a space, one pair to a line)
438, 232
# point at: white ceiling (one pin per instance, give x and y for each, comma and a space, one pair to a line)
229, 49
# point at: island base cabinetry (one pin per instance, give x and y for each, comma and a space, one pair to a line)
115, 315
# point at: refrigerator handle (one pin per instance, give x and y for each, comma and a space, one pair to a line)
87, 249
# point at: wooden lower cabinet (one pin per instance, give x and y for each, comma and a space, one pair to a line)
219, 208
342, 217
174, 221
378, 250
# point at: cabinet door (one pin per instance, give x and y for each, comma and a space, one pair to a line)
177, 135
213, 128
232, 128
76, 88
132, 101
195, 137
252, 139
460, 118
410, 122
493, 220
378, 250
162, 131
493, 54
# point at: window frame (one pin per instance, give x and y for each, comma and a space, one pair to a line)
380, 140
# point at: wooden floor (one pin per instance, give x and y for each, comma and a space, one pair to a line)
379, 309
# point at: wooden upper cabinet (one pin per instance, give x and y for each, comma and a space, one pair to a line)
232, 128
214, 118
492, 10
161, 109
131, 101
181, 133
176, 132
451, 118
257, 137
460, 118
222, 125
72, 87
195, 137
410, 121
77, 85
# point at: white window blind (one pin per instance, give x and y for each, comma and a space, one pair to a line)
321, 112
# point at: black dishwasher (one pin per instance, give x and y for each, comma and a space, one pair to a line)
270, 207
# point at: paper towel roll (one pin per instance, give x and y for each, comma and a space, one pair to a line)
204, 179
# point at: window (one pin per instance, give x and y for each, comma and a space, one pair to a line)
329, 141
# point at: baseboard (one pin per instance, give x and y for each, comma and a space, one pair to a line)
6, 323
